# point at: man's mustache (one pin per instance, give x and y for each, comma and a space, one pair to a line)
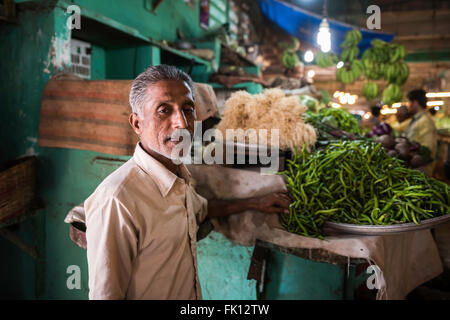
178, 135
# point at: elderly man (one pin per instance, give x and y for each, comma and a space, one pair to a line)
142, 220
422, 129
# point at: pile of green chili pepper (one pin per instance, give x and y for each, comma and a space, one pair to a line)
357, 182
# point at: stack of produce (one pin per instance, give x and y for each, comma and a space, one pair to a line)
385, 61
325, 60
268, 110
382, 61
357, 182
311, 103
353, 68
381, 129
412, 153
334, 123
290, 58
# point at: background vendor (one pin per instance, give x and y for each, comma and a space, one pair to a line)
422, 129
403, 118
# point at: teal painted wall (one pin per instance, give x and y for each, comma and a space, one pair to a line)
98, 63
160, 25
32, 50
24, 70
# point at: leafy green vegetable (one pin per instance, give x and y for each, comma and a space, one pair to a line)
311, 103
338, 118
325, 96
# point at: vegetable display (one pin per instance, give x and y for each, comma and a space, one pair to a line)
311, 103
290, 58
325, 60
385, 61
357, 182
271, 109
370, 90
382, 60
412, 153
352, 68
381, 129
334, 117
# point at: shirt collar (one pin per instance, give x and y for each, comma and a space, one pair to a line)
163, 177
419, 114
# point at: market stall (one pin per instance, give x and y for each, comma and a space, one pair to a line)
350, 123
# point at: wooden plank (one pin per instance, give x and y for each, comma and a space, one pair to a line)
90, 115
93, 115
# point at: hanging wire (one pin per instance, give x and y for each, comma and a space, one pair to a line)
325, 9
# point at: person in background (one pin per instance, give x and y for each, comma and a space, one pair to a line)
375, 118
422, 129
403, 119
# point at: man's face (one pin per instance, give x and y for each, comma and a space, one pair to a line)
413, 106
401, 115
169, 107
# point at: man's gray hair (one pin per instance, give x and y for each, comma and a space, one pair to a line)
153, 74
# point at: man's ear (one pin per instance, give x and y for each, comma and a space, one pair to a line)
136, 123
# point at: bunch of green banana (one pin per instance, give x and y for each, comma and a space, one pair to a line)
372, 70
352, 38
397, 73
397, 52
403, 74
290, 59
349, 54
357, 68
345, 76
325, 60
370, 90
350, 48
377, 55
378, 43
384, 60
392, 93
350, 72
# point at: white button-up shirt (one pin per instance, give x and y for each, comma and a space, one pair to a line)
142, 222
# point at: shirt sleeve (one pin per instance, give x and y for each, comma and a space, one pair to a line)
200, 207
425, 134
111, 248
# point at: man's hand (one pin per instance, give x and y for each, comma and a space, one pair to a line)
276, 202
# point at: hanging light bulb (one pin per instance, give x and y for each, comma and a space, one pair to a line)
324, 36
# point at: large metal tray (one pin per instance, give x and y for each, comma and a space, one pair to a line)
371, 230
